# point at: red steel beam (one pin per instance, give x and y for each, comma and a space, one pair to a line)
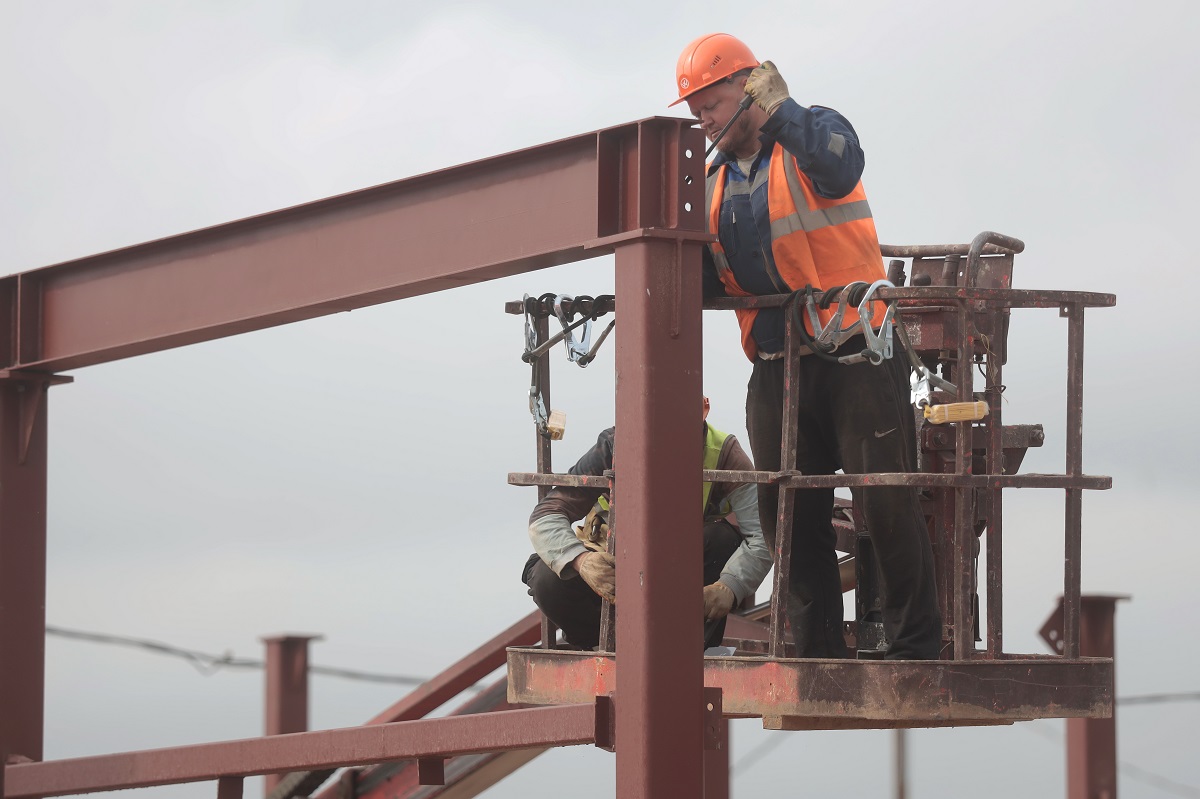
23, 441
564, 725
428, 696
501, 216
464, 673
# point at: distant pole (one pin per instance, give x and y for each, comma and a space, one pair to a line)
1091, 743
287, 690
901, 739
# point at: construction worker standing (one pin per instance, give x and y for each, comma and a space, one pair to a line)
785, 200
571, 570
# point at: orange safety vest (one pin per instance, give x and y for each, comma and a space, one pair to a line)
815, 240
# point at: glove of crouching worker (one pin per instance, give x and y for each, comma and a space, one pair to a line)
767, 87
718, 600
599, 571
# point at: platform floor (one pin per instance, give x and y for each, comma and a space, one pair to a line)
815, 694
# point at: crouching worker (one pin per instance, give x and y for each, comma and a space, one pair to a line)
571, 569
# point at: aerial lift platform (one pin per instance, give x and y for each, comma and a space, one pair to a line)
954, 303
635, 191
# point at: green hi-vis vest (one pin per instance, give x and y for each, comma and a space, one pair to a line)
714, 442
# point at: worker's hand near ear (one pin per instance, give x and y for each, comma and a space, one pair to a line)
718, 600
599, 571
767, 87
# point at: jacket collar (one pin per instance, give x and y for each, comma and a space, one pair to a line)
766, 141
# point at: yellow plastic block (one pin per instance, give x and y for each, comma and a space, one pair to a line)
956, 412
556, 426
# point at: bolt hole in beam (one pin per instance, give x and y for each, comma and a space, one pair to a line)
687, 179
687, 153
687, 206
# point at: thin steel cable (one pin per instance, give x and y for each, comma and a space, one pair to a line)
208, 664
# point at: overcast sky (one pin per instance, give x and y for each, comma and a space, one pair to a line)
283, 480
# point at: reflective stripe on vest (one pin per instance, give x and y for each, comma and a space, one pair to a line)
815, 240
714, 442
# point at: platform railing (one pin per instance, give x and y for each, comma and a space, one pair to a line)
955, 308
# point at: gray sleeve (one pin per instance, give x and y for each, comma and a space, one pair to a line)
556, 544
749, 565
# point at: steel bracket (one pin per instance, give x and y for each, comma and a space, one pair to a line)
31, 388
606, 722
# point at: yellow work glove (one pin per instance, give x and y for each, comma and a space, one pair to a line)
599, 571
718, 600
767, 87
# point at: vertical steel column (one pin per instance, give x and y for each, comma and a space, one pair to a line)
23, 441
901, 763
781, 588
287, 690
964, 516
542, 330
1073, 554
542, 365
659, 700
995, 466
1092, 743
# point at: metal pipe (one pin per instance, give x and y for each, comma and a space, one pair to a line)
781, 589
1073, 555
995, 525
964, 506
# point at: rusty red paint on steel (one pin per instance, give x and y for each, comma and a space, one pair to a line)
23, 441
500, 216
659, 564
781, 588
483, 660
869, 692
914, 296
988, 481
513, 729
401, 780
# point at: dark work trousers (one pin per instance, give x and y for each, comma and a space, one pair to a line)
856, 418
575, 608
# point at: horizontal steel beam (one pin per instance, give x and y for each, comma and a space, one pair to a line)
560, 202
1084, 481
565, 725
840, 694
917, 295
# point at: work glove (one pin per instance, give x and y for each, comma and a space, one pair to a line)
718, 600
767, 87
599, 571
593, 533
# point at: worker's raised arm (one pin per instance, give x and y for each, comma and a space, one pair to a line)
824, 144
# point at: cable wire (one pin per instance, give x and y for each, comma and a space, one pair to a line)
208, 664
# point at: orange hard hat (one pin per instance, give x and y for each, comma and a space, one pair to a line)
708, 60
